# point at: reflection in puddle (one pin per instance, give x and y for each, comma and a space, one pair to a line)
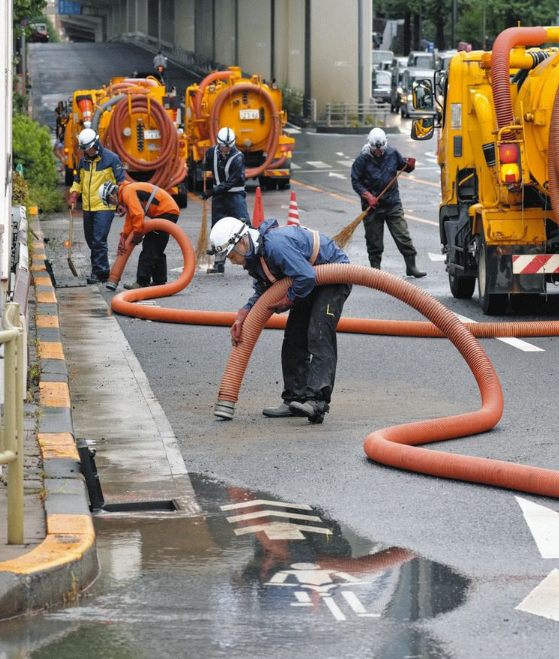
252, 577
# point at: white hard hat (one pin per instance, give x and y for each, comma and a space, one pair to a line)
226, 137
377, 139
108, 189
225, 234
88, 139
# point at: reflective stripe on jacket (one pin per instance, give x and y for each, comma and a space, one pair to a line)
135, 196
287, 251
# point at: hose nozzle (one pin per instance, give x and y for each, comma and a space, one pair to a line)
224, 410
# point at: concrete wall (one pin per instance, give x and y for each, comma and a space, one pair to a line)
167, 21
203, 21
184, 24
143, 16
289, 49
254, 36
225, 32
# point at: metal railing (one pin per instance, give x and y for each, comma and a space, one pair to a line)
360, 114
11, 430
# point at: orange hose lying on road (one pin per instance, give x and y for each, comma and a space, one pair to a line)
394, 446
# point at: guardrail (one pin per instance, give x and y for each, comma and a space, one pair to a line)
11, 426
361, 114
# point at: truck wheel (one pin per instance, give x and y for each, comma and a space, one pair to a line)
461, 288
492, 304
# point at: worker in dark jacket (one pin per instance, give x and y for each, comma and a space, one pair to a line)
373, 170
138, 201
227, 165
309, 351
95, 167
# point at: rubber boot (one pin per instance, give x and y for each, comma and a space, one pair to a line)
217, 268
279, 411
375, 264
411, 269
314, 410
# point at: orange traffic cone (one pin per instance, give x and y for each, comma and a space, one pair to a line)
258, 214
293, 215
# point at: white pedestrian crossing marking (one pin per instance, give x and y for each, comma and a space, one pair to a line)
543, 523
319, 164
436, 257
295, 166
345, 163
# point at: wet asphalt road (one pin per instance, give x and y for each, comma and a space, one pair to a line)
476, 532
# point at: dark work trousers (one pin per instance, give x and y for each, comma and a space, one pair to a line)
309, 354
230, 204
152, 263
96, 227
374, 233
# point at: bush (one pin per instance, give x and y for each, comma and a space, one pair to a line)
292, 101
32, 148
20, 191
49, 200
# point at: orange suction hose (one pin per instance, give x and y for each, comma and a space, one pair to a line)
275, 125
394, 446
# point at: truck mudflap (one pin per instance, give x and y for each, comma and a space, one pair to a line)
535, 264
501, 273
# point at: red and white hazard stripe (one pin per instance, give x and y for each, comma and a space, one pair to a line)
535, 264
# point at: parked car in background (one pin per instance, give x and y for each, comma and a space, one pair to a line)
406, 108
443, 59
381, 59
421, 59
381, 86
40, 33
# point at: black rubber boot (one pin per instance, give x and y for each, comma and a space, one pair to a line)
411, 269
314, 410
375, 264
217, 268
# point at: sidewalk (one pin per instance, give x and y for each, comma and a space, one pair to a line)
80, 345
58, 559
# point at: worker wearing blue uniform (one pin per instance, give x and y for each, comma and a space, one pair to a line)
309, 351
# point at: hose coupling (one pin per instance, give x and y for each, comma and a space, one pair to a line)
224, 409
111, 285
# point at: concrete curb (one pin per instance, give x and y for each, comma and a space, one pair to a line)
65, 563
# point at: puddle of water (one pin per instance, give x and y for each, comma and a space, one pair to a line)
245, 579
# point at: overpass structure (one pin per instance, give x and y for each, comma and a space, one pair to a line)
318, 48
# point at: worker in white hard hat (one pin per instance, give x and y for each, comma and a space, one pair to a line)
309, 352
228, 194
95, 167
374, 171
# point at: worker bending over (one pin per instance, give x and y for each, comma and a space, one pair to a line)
309, 351
136, 201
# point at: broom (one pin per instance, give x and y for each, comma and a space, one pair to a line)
202, 257
344, 236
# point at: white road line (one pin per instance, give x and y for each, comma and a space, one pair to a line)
272, 513
544, 599
436, 257
294, 166
345, 163
319, 164
515, 343
292, 131
334, 609
543, 523
265, 502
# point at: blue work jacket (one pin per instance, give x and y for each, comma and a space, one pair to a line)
370, 174
287, 251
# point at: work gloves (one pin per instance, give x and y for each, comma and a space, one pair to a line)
370, 199
410, 165
137, 237
72, 199
121, 249
284, 305
207, 194
237, 326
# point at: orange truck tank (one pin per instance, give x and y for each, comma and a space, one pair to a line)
134, 119
253, 109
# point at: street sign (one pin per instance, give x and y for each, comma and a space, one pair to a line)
69, 7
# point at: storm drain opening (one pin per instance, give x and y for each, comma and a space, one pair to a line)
95, 492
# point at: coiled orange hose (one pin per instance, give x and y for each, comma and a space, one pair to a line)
395, 446
170, 168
